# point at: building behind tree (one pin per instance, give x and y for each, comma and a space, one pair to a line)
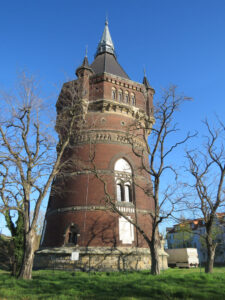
191, 233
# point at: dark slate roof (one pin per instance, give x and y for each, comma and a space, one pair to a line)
106, 62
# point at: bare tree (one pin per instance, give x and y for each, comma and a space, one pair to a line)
28, 160
207, 167
158, 148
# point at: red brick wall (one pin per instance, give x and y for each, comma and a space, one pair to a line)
97, 228
80, 187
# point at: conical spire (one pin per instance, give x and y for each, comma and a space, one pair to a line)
146, 83
85, 65
106, 43
85, 62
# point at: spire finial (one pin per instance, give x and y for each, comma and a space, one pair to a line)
106, 19
145, 80
144, 71
106, 43
86, 51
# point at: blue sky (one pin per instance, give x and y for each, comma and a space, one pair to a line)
178, 42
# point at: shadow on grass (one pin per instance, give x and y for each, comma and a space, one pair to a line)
171, 284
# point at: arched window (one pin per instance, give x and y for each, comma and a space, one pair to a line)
120, 95
123, 178
126, 97
133, 100
122, 165
113, 93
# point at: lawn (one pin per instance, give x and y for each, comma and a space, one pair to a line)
171, 284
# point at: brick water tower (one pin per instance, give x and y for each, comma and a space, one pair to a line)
104, 172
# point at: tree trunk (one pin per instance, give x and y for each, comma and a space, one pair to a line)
210, 259
14, 268
28, 258
154, 247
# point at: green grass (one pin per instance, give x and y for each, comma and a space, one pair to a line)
171, 284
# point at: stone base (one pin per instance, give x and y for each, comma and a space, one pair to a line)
97, 259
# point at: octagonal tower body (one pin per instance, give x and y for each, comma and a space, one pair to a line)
104, 170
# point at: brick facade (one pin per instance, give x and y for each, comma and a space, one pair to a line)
107, 131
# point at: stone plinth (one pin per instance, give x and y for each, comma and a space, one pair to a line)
97, 259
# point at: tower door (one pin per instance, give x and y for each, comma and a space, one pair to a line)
72, 235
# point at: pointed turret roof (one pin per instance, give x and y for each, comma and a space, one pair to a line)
105, 57
106, 43
85, 65
85, 62
146, 83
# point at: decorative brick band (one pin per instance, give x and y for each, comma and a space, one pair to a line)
106, 136
127, 209
117, 80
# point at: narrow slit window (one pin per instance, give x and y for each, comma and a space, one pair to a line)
113, 93
119, 192
127, 193
133, 100
126, 97
120, 96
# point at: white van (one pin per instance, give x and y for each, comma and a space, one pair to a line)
183, 257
